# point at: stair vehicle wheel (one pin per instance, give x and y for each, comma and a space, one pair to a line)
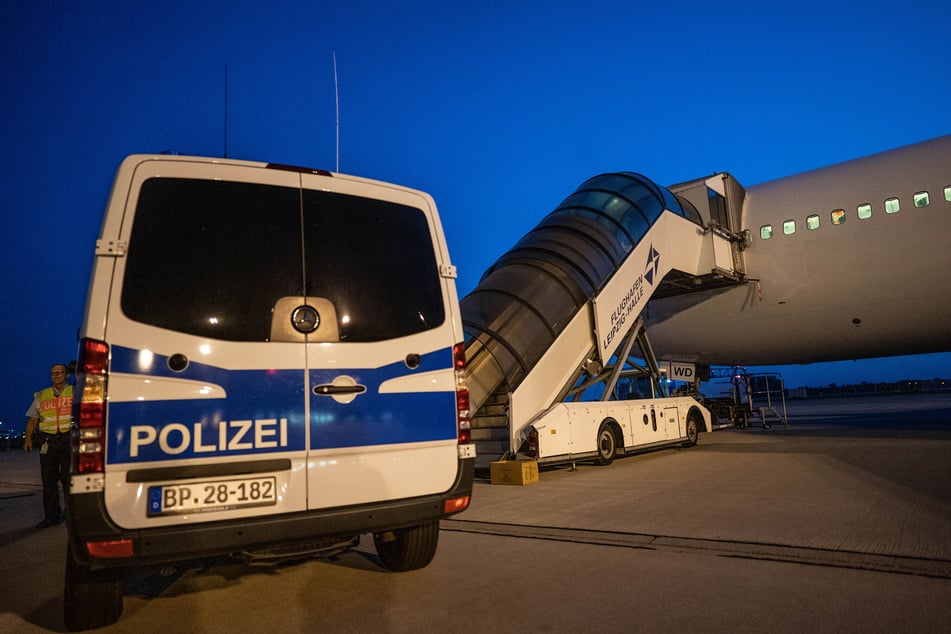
607, 445
692, 430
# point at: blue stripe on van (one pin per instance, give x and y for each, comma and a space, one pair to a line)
374, 418
264, 412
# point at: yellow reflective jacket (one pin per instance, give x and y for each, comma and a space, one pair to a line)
56, 412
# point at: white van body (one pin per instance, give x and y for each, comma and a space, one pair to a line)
270, 358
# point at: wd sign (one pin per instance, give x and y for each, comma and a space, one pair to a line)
678, 371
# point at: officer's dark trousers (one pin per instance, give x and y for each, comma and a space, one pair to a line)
54, 469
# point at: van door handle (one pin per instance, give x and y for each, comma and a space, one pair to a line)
328, 389
343, 389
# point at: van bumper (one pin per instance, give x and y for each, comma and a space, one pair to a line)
87, 521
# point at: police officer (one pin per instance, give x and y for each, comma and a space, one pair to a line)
52, 411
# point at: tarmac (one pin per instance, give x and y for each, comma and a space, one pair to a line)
840, 521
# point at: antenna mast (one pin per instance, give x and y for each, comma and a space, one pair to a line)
226, 113
337, 108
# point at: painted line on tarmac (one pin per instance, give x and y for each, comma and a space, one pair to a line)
11, 496
921, 566
9, 490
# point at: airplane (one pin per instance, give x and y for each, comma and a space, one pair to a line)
850, 261
844, 262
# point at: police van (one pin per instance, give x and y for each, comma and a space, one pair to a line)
270, 364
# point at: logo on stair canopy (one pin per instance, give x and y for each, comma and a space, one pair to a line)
653, 264
625, 295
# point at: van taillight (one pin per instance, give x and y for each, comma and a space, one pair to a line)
462, 393
89, 406
111, 549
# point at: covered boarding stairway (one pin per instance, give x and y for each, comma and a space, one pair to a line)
553, 313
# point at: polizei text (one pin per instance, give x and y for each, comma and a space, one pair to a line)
236, 435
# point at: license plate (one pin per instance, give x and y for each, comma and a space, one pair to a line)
203, 497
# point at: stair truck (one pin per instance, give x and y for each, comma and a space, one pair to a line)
559, 364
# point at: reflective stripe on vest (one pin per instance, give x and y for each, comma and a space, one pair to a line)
56, 412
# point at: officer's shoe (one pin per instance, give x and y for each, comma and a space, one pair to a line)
47, 523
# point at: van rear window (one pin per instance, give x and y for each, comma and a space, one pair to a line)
211, 258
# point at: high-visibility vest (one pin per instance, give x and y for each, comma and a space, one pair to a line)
56, 412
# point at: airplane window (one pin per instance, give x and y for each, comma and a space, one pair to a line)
921, 199
864, 211
789, 227
892, 206
812, 222
766, 232
838, 216
947, 193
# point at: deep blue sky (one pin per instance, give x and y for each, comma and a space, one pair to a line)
498, 109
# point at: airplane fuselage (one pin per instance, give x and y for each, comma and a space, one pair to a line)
846, 262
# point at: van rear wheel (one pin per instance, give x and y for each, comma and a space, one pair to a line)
91, 598
408, 548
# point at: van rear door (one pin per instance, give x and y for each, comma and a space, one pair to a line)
380, 383
206, 413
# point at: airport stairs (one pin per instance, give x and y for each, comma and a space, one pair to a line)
558, 304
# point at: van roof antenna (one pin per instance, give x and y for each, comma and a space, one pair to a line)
226, 114
337, 109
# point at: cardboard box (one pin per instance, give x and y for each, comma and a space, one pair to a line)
518, 472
